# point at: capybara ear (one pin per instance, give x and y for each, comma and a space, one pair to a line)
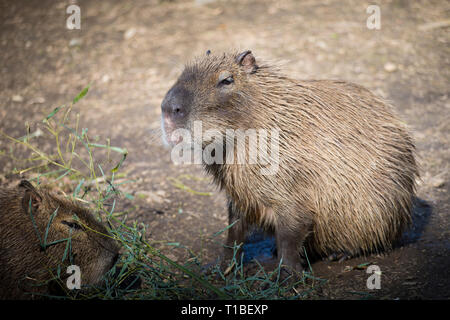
31, 196
247, 61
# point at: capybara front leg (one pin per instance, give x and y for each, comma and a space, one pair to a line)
236, 233
290, 236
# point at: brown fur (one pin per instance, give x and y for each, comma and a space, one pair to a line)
347, 168
24, 265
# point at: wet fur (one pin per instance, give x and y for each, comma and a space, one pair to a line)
347, 168
24, 266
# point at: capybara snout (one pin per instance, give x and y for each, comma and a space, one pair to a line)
41, 234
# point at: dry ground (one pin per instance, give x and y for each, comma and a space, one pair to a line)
132, 51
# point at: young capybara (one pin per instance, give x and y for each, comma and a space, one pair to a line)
32, 244
346, 168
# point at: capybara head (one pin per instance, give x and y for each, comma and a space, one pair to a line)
213, 88
41, 234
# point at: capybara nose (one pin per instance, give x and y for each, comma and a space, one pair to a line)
171, 108
172, 105
176, 110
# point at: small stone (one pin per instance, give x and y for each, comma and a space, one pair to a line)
130, 33
437, 182
37, 100
390, 67
105, 78
17, 98
75, 42
321, 44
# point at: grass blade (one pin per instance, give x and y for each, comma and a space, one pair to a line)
81, 94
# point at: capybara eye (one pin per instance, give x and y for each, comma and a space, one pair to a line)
227, 81
72, 225
225, 78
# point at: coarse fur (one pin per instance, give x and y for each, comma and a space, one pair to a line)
347, 169
27, 268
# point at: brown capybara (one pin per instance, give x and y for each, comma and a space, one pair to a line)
32, 248
345, 166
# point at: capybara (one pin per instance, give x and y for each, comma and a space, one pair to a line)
33, 226
346, 171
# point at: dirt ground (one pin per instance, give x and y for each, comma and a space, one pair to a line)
132, 51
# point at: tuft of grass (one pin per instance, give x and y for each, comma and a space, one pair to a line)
177, 183
72, 161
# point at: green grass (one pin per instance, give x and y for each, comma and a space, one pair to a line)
71, 164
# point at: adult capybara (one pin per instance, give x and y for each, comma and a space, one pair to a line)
345, 167
34, 227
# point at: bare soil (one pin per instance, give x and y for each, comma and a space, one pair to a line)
132, 51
